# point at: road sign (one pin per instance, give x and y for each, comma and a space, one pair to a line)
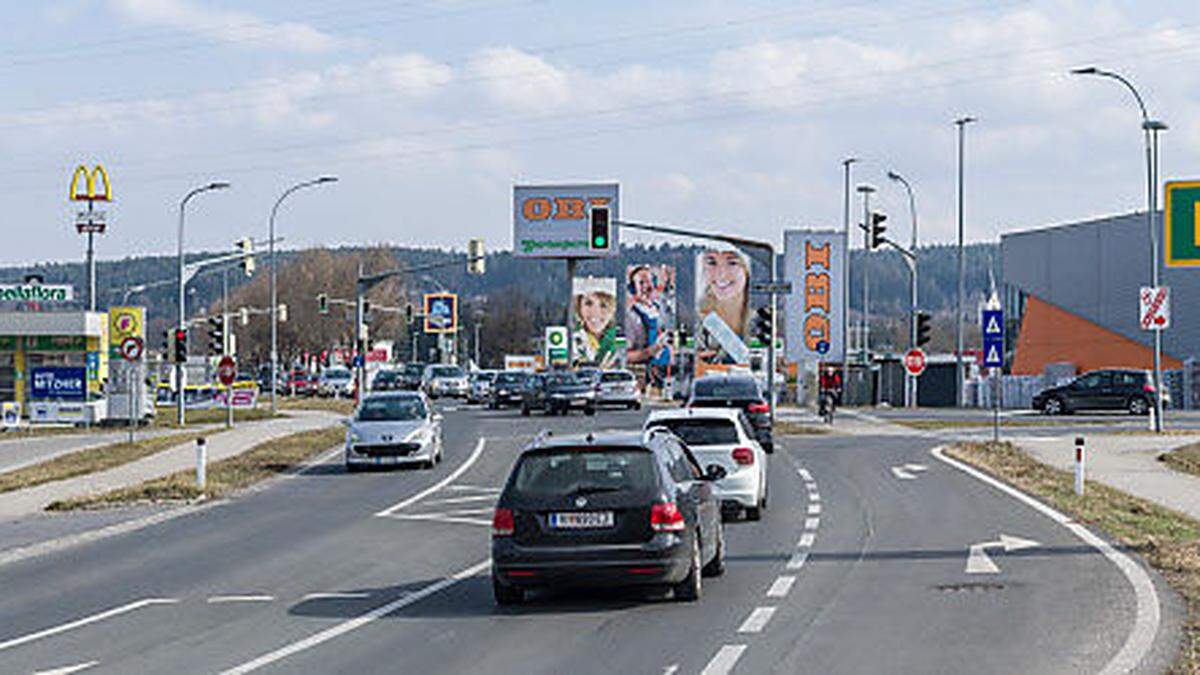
1182, 223
441, 313
779, 287
992, 326
914, 362
131, 348
1154, 308
227, 370
993, 323
556, 345
10, 414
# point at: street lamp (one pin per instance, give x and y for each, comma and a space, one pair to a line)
1150, 129
218, 185
846, 163
865, 330
911, 390
961, 123
274, 299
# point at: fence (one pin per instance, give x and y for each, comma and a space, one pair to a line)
1017, 391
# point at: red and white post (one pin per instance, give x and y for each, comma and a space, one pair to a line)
1079, 465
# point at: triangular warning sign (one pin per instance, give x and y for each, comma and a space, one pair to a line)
993, 326
993, 355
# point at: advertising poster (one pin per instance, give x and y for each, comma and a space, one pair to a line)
61, 383
813, 262
722, 306
649, 314
594, 312
441, 313
551, 221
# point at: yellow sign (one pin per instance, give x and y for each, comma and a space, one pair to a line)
97, 177
125, 322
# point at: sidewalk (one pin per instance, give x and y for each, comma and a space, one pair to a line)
16, 453
221, 444
1128, 463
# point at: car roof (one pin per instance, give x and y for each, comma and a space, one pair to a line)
394, 394
625, 439
725, 376
694, 413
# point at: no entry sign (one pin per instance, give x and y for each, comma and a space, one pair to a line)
914, 362
227, 370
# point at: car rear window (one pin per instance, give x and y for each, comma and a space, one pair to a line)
616, 377
509, 378
447, 371
414, 369
726, 388
702, 432
570, 471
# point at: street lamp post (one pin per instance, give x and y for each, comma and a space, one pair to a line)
846, 163
910, 390
961, 123
864, 335
274, 299
1150, 129
182, 325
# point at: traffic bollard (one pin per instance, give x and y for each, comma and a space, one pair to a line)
201, 462
1079, 465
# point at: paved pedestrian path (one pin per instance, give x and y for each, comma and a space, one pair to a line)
19, 452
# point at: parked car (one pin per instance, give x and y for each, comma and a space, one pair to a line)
735, 391
725, 437
441, 380
388, 380
620, 509
1112, 389
618, 387
479, 388
508, 390
299, 383
589, 374
558, 392
414, 373
397, 427
336, 382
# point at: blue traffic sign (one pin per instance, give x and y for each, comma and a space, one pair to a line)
992, 325
993, 353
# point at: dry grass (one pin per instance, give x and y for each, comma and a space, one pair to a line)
89, 460
1169, 540
341, 406
165, 418
796, 429
1185, 459
228, 475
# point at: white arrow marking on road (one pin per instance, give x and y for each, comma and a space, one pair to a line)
916, 468
67, 670
978, 561
902, 474
116, 611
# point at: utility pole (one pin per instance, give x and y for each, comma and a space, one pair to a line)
180, 359
846, 268
961, 123
910, 380
864, 337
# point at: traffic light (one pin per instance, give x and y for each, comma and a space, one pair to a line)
216, 335
599, 228
923, 328
322, 303
282, 313
246, 246
180, 353
762, 325
476, 262
244, 316
167, 346
408, 314
877, 229
366, 308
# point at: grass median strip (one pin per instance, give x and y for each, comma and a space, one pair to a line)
796, 429
342, 406
89, 460
225, 476
1185, 459
1169, 540
165, 418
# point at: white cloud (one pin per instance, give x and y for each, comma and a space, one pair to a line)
226, 25
519, 80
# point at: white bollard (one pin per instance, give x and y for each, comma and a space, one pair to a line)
1079, 465
201, 462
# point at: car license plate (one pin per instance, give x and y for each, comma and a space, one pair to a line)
581, 520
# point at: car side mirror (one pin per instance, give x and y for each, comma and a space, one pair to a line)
714, 472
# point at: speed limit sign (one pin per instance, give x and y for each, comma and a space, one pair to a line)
131, 348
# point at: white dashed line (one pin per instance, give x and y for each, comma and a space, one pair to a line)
336, 596
781, 587
757, 620
67, 670
724, 661
814, 496
797, 560
811, 523
78, 623
807, 540
814, 509
224, 599
460, 500
805, 475
811, 487
671, 669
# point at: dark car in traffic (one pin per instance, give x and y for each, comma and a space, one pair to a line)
508, 389
412, 375
735, 391
1110, 389
607, 510
388, 380
558, 392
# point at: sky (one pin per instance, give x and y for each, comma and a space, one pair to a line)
724, 116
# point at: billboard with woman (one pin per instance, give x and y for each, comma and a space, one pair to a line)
722, 305
649, 313
594, 309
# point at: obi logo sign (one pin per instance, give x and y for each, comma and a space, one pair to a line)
552, 221
813, 265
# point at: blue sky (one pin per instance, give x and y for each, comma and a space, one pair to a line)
733, 116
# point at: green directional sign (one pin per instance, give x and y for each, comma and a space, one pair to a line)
1183, 223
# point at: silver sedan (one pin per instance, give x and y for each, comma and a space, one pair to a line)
392, 428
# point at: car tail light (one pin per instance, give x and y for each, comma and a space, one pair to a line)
743, 456
1148, 388
666, 518
502, 522
760, 407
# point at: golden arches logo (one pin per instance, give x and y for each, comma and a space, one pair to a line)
90, 180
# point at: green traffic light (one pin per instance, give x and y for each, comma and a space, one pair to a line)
599, 242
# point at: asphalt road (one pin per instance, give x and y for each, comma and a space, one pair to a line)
853, 569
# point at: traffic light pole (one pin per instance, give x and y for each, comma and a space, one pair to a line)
910, 259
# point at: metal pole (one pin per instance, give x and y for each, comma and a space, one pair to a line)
477, 364
180, 415
570, 301
91, 265
846, 269
865, 332
771, 347
131, 374
961, 123
359, 342
1152, 190
225, 342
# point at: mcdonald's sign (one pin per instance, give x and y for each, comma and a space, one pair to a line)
89, 181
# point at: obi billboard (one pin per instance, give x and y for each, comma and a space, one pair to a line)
813, 262
553, 221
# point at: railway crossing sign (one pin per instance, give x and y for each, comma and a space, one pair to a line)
1154, 308
1181, 225
993, 338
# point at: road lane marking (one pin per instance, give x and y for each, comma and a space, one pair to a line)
439, 518
724, 660
671, 669
814, 509
438, 485
79, 623
814, 496
811, 523
807, 539
811, 487
899, 472
67, 670
1148, 612
335, 595
782, 586
474, 488
978, 561
757, 621
805, 475
225, 599
460, 500
797, 560
358, 621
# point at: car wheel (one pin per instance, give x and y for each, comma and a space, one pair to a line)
352, 468
525, 410
754, 512
590, 410
506, 595
1138, 406
1053, 406
689, 589
716, 566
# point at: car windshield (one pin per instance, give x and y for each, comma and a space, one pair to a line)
483, 377
414, 369
447, 371
701, 432
562, 379
509, 378
391, 409
387, 376
617, 377
337, 374
576, 471
726, 388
